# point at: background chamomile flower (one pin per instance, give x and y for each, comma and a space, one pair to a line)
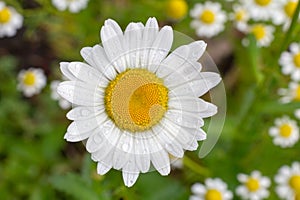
64, 104
212, 189
176, 9
254, 186
10, 20
292, 93
290, 62
285, 133
73, 6
208, 19
262, 33
287, 10
31, 81
288, 182
240, 17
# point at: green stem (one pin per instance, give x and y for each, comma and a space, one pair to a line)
195, 166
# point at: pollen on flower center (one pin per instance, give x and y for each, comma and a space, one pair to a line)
5, 15
207, 17
29, 78
290, 8
136, 100
258, 31
285, 130
295, 183
297, 59
263, 2
213, 194
252, 184
239, 16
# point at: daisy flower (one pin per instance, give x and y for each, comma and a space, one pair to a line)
262, 10
31, 81
287, 9
64, 104
10, 20
288, 182
213, 189
135, 103
254, 186
176, 9
262, 33
73, 6
240, 16
292, 93
285, 132
290, 62
209, 19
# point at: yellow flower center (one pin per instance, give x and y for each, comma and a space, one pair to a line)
263, 2
295, 183
259, 31
290, 8
252, 184
29, 78
5, 15
297, 93
136, 100
297, 59
207, 17
240, 15
213, 194
285, 130
176, 9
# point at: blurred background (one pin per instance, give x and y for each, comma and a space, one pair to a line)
37, 163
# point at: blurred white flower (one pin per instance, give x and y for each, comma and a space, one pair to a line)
213, 189
137, 102
209, 19
31, 81
10, 20
292, 93
240, 17
254, 186
285, 133
290, 62
176, 162
288, 182
262, 33
73, 6
287, 10
64, 104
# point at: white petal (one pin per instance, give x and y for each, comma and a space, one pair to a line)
66, 72
183, 118
76, 136
142, 156
102, 168
86, 53
197, 49
130, 173
83, 112
112, 23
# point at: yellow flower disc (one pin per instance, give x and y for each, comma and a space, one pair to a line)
297, 94
5, 15
136, 100
263, 2
297, 59
213, 194
295, 183
290, 8
29, 78
285, 130
207, 17
240, 15
176, 9
252, 184
258, 31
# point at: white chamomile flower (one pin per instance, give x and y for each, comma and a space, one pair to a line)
292, 93
287, 10
64, 104
135, 102
209, 19
262, 10
254, 186
285, 133
73, 6
31, 81
213, 189
290, 62
240, 16
288, 182
10, 20
262, 33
